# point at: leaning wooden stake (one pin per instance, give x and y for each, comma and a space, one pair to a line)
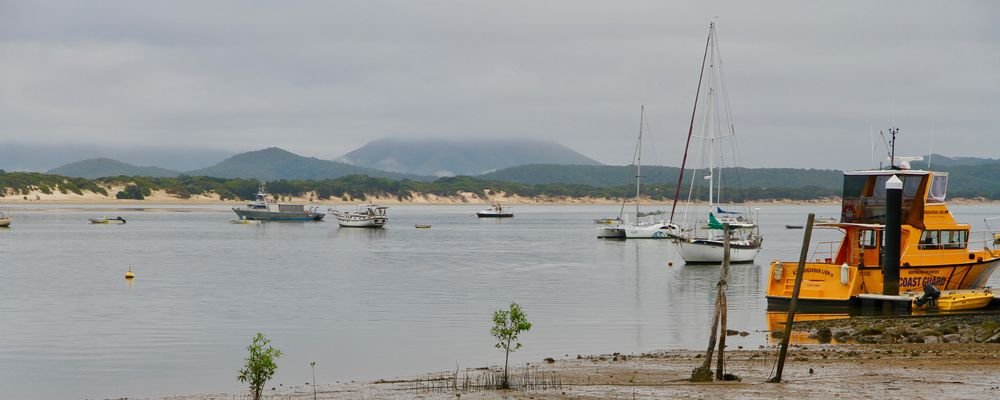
795, 298
723, 285
704, 372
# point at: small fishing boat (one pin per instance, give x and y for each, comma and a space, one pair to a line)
106, 220
422, 226
793, 226
5, 220
495, 211
366, 216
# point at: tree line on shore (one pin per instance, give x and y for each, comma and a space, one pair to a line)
361, 187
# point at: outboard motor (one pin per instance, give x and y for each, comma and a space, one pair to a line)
929, 297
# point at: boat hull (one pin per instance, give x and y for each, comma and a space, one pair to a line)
610, 232
264, 215
5, 222
699, 251
828, 284
486, 214
650, 231
377, 222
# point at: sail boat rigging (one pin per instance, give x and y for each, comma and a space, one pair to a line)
701, 241
637, 229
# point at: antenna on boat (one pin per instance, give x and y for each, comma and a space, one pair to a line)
930, 153
892, 148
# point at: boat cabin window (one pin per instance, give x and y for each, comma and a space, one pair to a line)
950, 239
868, 239
864, 197
939, 189
954, 239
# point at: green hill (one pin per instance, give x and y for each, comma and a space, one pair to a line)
274, 163
101, 167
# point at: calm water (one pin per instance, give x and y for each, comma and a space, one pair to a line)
361, 303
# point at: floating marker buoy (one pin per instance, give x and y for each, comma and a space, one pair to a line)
129, 274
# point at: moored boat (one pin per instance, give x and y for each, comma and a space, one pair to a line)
702, 239
495, 211
366, 216
638, 229
953, 300
263, 210
106, 220
934, 249
5, 220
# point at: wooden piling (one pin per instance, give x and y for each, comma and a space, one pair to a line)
723, 285
795, 298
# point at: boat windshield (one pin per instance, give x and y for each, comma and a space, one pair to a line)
864, 197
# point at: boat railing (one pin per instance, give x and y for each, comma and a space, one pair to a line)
984, 239
825, 251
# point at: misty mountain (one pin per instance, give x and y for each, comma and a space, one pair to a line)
102, 167
274, 163
441, 157
43, 157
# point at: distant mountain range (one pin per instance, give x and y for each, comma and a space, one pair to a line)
423, 160
389, 158
274, 163
439, 157
16, 156
101, 167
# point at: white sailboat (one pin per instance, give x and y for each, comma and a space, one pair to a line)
637, 229
701, 241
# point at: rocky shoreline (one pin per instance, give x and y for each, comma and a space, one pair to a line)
927, 328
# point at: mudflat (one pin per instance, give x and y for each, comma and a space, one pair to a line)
837, 371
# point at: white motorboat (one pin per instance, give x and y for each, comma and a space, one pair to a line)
366, 216
5, 219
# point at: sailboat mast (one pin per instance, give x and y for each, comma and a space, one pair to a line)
680, 178
638, 163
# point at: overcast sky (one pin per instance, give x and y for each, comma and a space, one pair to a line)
807, 81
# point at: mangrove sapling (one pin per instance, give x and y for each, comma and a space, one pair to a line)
260, 365
507, 325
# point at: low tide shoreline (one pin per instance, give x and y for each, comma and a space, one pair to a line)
959, 363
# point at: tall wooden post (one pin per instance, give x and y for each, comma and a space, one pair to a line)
723, 285
795, 298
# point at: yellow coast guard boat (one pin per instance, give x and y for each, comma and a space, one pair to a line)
934, 248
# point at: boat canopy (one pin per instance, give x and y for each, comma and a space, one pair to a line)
864, 194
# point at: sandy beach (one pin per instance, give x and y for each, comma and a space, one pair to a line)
162, 197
